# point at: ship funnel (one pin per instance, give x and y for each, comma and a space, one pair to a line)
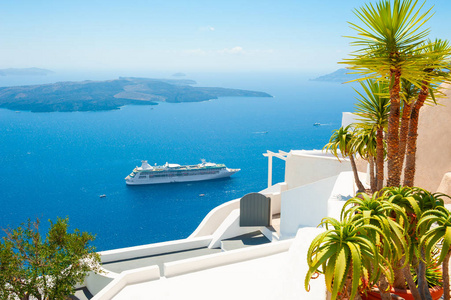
145, 165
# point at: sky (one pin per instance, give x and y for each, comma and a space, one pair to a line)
183, 36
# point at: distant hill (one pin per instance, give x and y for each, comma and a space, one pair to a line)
170, 81
25, 72
179, 74
341, 75
110, 94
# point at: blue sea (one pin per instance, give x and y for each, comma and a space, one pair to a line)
57, 164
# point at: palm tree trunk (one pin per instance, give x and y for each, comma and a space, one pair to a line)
384, 288
422, 283
409, 172
399, 280
394, 171
380, 158
360, 187
412, 286
403, 132
372, 177
445, 276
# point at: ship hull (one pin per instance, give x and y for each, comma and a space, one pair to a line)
190, 178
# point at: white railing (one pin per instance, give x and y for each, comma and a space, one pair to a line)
126, 278
195, 264
154, 249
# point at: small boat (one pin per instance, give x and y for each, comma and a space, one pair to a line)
167, 173
316, 124
102, 196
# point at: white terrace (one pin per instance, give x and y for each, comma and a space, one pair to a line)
223, 260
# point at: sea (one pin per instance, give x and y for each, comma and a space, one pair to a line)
58, 164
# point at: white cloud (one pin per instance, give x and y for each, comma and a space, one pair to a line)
234, 50
207, 28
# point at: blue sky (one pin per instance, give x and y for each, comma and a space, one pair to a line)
183, 35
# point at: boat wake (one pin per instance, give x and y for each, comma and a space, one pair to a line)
320, 124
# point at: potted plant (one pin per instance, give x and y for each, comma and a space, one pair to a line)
365, 224
346, 255
396, 224
441, 232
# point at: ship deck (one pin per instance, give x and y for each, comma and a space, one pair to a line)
181, 168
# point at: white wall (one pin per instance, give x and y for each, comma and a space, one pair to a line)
95, 282
275, 188
297, 267
445, 187
433, 157
344, 189
274, 192
304, 167
305, 206
214, 218
348, 118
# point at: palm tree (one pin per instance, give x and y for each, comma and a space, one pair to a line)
345, 250
389, 37
373, 109
341, 141
364, 143
409, 93
433, 73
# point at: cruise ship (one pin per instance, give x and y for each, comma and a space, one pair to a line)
147, 174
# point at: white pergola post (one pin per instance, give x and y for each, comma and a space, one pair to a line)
269, 154
269, 170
